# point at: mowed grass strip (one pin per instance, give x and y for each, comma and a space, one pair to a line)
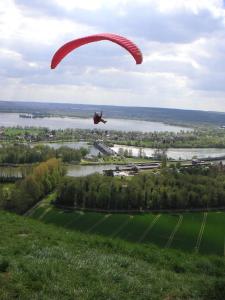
135, 228
38, 212
214, 234
187, 234
170, 240
88, 220
175, 231
162, 230
44, 213
199, 239
55, 216
81, 221
122, 226
73, 218
142, 237
99, 222
111, 225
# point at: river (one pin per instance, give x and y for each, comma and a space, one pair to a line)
13, 119
77, 170
174, 153
177, 153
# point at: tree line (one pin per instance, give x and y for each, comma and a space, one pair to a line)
25, 193
22, 153
171, 188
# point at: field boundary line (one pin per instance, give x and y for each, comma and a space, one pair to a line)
170, 240
138, 211
41, 203
98, 222
72, 221
199, 239
124, 224
30, 211
150, 226
44, 213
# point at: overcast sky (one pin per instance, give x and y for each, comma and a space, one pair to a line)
182, 41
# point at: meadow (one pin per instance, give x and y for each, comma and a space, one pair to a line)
202, 232
42, 261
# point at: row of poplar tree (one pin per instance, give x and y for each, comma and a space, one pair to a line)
170, 188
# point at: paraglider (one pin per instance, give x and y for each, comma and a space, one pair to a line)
72, 45
98, 118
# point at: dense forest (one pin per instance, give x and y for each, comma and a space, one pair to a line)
171, 188
22, 153
25, 193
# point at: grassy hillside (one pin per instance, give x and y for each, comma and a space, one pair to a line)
193, 232
42, 261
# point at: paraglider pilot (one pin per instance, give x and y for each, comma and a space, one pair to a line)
98, 118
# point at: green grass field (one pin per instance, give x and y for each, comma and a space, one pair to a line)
193, 232
42, 261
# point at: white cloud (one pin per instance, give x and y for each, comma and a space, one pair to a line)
10, 54
164, 6
215, 6
19, 25
182, 42
73, 4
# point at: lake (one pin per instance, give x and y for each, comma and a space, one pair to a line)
13, 119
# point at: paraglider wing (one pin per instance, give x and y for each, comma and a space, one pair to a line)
72, 45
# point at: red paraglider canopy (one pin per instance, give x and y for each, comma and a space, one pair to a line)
122, 41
